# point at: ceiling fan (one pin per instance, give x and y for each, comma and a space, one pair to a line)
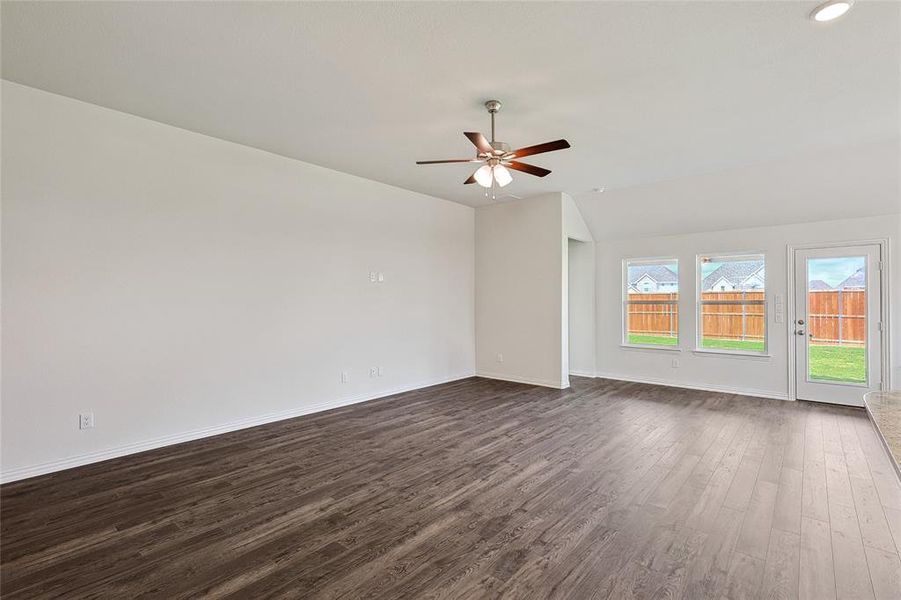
497, 158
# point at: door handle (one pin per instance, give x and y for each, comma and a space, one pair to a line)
799, 332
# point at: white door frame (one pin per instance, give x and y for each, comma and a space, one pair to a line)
884, 306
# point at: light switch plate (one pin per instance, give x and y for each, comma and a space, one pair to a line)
86, 420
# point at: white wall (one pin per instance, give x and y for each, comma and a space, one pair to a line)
519, 290
758, 376
574, 226
522, 289
178, 285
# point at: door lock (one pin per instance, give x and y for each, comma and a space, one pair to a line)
800, 321
799, 332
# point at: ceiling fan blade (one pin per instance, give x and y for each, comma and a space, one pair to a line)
479, 141
526, 168
538, 149
450, 160
472, 179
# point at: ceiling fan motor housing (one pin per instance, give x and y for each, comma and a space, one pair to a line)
500, 147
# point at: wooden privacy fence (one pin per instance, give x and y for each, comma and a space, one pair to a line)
835, 316
731, 319
838, 317
657, 315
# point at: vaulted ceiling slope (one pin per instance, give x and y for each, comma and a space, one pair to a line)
645, 92
853, 181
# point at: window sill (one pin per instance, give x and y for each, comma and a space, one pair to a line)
733, 353
650, 347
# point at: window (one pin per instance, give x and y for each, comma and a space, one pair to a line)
651, 302
732, 303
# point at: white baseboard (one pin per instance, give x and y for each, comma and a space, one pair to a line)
515, 379
705, 388
25, 472
582, 373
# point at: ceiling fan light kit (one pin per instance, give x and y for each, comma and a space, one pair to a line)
502, 175
497, 158
484, 176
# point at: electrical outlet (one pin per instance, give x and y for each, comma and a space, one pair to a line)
344, 377
500, 357
86, 421
373, 276
381, 277
373, 371
380, 371
675, 363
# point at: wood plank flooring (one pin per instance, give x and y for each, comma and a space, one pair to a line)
479, 489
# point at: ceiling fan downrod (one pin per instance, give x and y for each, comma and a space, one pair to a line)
493, 106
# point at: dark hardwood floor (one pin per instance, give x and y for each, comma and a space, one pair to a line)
479, 489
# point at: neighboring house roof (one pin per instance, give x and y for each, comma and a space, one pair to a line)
755, 278
659, 273
856, 281
735, 272
818, 285
718, 284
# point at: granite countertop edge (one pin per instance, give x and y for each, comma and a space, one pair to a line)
884, 410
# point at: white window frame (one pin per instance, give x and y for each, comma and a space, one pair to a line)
624, 316
699, 305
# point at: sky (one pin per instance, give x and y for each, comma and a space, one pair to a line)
833, 270
709, 267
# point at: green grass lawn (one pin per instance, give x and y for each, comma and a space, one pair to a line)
665, 340
746, 345
827, 363
838, 363
655, 340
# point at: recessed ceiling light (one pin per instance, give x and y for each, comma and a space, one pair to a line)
831, 10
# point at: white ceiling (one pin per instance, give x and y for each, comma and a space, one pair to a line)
854, 181
645, 92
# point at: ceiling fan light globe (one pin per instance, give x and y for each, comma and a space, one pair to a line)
502, 175
484, 176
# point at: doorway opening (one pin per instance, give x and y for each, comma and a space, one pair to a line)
580, 344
